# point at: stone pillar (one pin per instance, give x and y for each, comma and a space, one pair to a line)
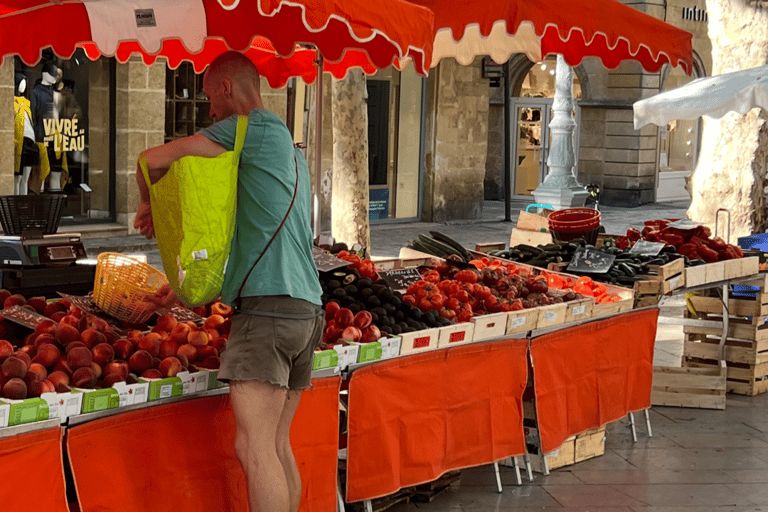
560, 188
326, 147
140, 125
7, 91
349, 211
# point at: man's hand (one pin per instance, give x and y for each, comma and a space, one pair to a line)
163, 298
143, 221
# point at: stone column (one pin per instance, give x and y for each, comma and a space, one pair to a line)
560, 188
7, 90
349, 211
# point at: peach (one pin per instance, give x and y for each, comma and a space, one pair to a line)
131, 379
200, 311
75, 312
219, 308
63, 367
44, 339
7, 329
214, 322
156, 362
219, 343
26, 355
74, 344
211, 363
111, 336
179, 333
93, 322
103, 353
15, 389
58, 377
170, 366
151, 343
123, 348
39, 303
14, 300
188, 351
38, 387
96, 370
54, 307
84, 377
47, 326
119, 367
63, 388
36, 371
4, 294
92, 337
14, 367
183, 360
135, 335
212, 334
28, 308
6, 349
66, 334
57, 316
167, 322
70, 320
151, 373
79, 357
47, 355
168, 349
226, 326
206, 351
30, 338
140, 361
111, 379
197, 338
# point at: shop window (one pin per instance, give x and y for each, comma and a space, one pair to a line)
187, 109
679, 140
61, 133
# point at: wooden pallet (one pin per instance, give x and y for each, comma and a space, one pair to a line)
699, 388
425, 493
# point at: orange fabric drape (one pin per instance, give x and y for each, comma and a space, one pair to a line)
32, 472
412, 419
181, 456
592, 374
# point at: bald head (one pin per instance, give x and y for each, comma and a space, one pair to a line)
232, 83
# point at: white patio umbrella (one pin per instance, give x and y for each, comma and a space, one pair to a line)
714, 96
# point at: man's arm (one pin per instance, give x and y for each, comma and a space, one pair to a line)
159, 160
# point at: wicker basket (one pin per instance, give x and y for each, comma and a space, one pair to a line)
31, 212
121, 285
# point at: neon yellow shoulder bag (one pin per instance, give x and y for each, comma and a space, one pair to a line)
194, 210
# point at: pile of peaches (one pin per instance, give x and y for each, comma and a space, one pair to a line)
72, 349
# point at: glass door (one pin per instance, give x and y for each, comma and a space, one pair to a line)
529, 144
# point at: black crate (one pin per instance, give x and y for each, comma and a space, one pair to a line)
40, 213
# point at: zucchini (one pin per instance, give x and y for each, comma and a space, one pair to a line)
445, 239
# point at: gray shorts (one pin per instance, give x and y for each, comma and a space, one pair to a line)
273, 339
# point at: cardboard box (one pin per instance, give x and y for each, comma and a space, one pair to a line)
95, 400
579, 309
522, 321
534, 221
418, 341
24, 411
457, 334
490, 326
533, 238
130, 394
194, 382
164, 388
5, 410
325, 359
213, 381
63, 405
385, 348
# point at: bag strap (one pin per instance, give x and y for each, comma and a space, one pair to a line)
290, 207
242, 128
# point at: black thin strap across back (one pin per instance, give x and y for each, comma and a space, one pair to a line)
277, 231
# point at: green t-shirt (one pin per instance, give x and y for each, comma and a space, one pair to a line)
266, 180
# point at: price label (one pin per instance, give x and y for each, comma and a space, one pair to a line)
182, 314
517, 322
550, 316
646, 248
86, 305
457, 336
421, 342
400, 279
579, 310
23, 316
325, 261
684, 224
591, 260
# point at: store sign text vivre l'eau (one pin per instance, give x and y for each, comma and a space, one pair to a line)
64, 134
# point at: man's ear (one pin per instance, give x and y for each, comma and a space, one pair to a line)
226, 85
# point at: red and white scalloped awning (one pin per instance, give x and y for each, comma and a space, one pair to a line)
606, 29
198, 30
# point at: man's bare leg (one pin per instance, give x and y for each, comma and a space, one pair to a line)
258, 407
285, 452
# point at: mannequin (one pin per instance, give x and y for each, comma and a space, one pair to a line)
43, 101
26, 151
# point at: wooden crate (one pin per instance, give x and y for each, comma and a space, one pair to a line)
578, 448
700, 388
671, 275
721, 270
647, 293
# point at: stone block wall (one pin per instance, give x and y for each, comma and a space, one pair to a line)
457, 142
494, 159
7, 91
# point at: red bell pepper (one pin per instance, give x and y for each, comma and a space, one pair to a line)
717, 243
707, 254
633, 235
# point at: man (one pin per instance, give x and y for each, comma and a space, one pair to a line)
268, 357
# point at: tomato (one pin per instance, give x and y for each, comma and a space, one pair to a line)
447, 313
425, 304
433, 276
467, 276
586, 280
410, 299
460, 295
437, 300
517, 305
